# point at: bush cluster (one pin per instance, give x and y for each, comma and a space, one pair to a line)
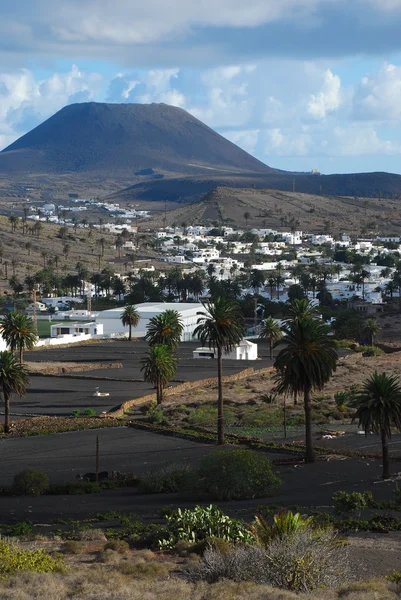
224, 474
13, 559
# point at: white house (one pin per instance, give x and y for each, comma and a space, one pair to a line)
245, 350
76, 329
189, 314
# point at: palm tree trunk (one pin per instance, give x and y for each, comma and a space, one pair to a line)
6, 411
309, 452
386, 459
220, 405
21, 353
159, 392
295, 397
130, 333
271, 348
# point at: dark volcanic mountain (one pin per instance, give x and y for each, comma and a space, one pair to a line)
154, 152
126, 138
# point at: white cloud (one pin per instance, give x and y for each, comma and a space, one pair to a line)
328, 99
360, 140
246, 138
378, 96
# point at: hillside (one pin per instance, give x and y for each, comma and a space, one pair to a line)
190, 189
278, 210
143, 140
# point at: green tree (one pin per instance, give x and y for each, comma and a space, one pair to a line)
14, 379
130, 317
165, 329
271, 331
19, 332
372, 330
305, 364
378, 409
299, 309
221, 327
159, 367
247, 216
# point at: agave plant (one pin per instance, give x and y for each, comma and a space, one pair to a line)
284, 523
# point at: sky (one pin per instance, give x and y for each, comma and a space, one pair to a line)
300, 84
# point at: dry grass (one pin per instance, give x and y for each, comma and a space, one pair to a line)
100, 582
145, 575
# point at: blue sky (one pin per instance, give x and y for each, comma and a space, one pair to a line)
301, 84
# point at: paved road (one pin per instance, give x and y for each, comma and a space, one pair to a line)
60, 395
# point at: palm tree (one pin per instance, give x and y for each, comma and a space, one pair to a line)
130, 317
221, 327
305, 364
271, 331
19, 332
247, 216
159, 367
378, 409
165, 328
372, 329
13, 379
300, 309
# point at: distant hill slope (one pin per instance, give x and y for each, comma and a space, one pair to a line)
279, 210
126, 138
191, 189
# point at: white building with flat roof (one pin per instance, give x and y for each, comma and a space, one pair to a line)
189, 314
245, 350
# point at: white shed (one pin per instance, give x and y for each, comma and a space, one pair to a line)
189, 314
244, 351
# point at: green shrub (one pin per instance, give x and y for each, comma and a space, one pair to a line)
72, 547
13, 559
76, 412
235, 474
269, 398
199, 524
206, 416
370, 350
144, 570
21, 529
30, 483
345, 502
166, 479
156, 415
89, 412
119, 546
342, 398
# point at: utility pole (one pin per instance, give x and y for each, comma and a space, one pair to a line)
97, 459
89, 300
35, 310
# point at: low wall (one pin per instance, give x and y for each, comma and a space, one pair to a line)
171, 391
65, 339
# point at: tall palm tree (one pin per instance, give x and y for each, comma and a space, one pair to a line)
13, 380
159, 367
130, 317
299, 309
271, 331
305, 364
221, 327
165, 328
378, 409
19, 332
372, 329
